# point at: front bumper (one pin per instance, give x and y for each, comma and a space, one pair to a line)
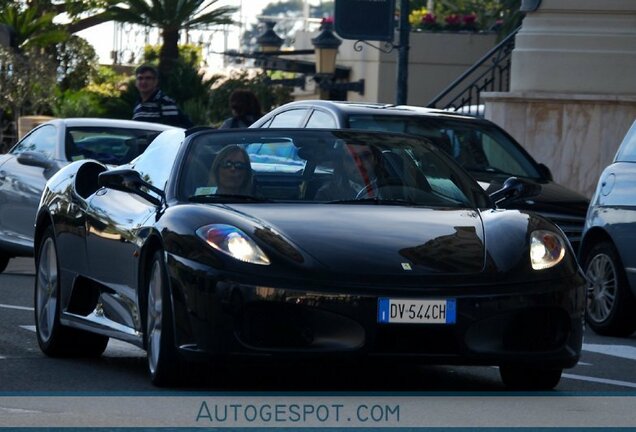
220, 314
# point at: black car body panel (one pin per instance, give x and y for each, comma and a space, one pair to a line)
565, 207
329, 264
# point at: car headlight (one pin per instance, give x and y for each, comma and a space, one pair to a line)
547, 249
233, 242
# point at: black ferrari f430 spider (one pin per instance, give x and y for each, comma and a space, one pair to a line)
316, 243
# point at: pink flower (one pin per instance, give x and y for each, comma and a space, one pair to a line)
470, 20
453, 20
429, 18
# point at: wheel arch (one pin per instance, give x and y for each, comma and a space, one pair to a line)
43, 221
593, 237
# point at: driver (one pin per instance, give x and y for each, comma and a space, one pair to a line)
354, 175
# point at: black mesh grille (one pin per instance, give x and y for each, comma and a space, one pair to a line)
572, 226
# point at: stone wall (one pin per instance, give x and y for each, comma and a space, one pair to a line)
436, 59
576, 136
572, 88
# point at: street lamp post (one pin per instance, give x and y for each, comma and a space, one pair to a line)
403, 54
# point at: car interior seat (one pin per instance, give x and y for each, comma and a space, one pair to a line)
70, 148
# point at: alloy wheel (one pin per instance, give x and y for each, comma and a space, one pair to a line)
47, 297
154, 316
601, 287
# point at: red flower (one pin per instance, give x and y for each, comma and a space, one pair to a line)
429, 18
453, 20
470, 20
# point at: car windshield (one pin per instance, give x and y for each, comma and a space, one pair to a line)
478, 147
321, 166
109, 145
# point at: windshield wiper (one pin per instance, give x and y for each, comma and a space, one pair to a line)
377, 201
211, 198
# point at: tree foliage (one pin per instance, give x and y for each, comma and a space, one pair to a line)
171, 16
77, 63
27, 82
31, 29
102, 97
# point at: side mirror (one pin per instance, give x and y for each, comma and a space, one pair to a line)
127, 180
545, 172
515, 188
36, 159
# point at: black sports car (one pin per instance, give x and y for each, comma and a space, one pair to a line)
294, 243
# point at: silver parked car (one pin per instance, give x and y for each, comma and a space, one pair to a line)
607, 252
25, 169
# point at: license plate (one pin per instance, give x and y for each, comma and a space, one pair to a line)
416, 311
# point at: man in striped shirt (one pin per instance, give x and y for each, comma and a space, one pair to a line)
153, 105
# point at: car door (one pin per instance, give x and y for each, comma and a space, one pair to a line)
115, 220
616, 202
21, 184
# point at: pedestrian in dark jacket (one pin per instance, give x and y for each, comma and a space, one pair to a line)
245, 109
153, 105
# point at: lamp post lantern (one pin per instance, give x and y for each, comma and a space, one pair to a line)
326, 49
324, 70
269, 41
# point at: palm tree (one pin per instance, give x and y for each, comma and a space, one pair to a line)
30, 28
171, 16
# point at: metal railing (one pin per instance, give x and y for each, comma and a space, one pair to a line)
490, 73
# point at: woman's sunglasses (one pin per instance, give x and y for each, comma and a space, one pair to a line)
237, 165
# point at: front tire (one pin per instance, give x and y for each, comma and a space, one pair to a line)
164, 362
610, 303
55, 339
529, 378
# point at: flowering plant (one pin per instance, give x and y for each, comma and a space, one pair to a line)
326, 23
326, 20
422, 19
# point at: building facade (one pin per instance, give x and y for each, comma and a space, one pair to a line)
572, 87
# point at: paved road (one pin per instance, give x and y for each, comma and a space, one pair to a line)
607, 364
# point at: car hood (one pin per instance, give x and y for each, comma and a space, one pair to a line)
377, 239
553, 198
